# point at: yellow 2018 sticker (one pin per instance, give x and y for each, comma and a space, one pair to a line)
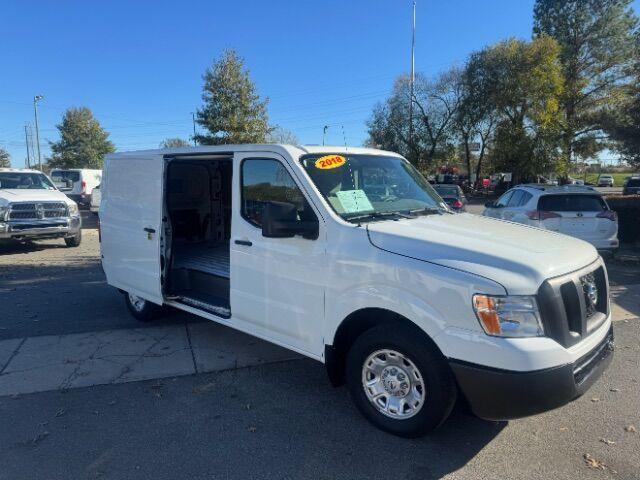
330, 161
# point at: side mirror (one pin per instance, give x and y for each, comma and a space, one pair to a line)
490, 205
280, 220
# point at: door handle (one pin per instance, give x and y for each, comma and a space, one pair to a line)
149, 230
246, 243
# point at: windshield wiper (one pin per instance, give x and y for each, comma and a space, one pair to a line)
428, 211
378, 216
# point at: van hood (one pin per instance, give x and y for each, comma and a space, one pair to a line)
11, 195
517, 256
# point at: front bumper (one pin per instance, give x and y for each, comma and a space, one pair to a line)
40, 229
496, 394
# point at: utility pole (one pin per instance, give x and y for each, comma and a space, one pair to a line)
36, 99
26, 141
193, 119
324, 133
412, 77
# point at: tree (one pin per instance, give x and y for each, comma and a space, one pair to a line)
622, 123
597, 41
232, 110
523, 82
475, 118
174, 142
5, 158
83, 143
282, 135
435, 105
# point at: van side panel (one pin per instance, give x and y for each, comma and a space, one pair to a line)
131, 223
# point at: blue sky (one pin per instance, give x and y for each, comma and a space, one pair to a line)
138, 64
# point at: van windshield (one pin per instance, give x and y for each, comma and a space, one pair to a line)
367, 187
65, 178
25, 181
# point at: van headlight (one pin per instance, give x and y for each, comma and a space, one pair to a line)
508, 316
73, 209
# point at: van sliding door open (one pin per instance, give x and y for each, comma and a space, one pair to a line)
131, 223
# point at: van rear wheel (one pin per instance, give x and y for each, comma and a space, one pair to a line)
140, 308
400, 381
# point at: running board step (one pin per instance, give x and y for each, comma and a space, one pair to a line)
207, 307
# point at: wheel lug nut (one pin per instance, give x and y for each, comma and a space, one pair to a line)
401, 376
404, 385
394, 371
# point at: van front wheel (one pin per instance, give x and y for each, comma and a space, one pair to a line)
140, 308
400, 381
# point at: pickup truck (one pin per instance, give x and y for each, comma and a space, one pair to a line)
32, 208
406, 302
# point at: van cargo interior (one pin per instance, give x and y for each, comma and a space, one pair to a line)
198, 202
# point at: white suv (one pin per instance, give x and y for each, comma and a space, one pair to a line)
573, 210
605, 181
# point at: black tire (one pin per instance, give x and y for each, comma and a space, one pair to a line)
141, 309
75, 240
438, 381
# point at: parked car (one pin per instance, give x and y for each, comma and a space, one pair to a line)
94, 206
76, 183
453, 196
405, 301
31, 208
605, 180
632, 186
578, 211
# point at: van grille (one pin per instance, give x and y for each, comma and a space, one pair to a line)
573, 306
35, 211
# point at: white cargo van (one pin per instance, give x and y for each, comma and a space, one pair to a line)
77, 183
349, 256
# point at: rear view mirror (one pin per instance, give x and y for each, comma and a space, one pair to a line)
280, 220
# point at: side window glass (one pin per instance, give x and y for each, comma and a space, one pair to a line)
526, 196
515, 199
504, 199
266, 180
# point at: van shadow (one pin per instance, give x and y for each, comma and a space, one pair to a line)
62, 297
328, 438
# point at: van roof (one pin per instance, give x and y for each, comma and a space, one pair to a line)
294, 150
19, 170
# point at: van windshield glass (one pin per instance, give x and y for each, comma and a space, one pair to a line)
368, 187
65, 178
25, 181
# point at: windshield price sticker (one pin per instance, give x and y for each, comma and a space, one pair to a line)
354, 201
330, 161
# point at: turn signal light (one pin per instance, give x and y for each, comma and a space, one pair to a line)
485, 307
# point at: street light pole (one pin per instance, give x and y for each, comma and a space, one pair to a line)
412, 77
193, 119
26, 141
324, 133
36, 99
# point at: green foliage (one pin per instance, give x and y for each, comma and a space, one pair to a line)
5, 158
523, 82
174, 142
232, 110
598, 40
83, 143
